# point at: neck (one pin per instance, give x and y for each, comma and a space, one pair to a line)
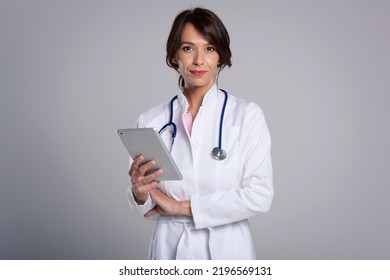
195, 95
195, 98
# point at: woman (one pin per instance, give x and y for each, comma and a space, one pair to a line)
205, 215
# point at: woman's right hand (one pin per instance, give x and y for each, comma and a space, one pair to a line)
142, 184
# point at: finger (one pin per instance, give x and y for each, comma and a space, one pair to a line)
151, 213
146, 188
138, 179
135, 165
153, 176
159, 197
156, 210
155, 193
146, 167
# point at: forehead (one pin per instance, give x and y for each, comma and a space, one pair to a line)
192, 35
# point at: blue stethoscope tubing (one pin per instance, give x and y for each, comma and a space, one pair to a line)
171, 123
218, 153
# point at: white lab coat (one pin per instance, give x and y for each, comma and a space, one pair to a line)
223, 194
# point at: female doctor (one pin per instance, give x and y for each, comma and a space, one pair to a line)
221, 146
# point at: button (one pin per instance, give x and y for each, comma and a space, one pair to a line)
195, 144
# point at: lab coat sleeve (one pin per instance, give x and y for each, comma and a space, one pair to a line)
256, 192
149, 203
143, 208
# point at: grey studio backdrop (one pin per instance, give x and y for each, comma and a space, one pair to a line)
72, 72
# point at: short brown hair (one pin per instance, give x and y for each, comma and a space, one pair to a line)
209, 25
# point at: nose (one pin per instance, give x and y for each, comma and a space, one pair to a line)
199, 58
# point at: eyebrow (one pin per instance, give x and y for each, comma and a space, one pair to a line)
192, 44
187, 43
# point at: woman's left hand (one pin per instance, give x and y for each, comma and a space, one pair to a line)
167, 205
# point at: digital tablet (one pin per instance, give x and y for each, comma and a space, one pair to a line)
147, 142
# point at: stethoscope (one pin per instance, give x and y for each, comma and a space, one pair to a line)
218, 153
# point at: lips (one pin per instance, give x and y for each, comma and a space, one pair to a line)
198, 73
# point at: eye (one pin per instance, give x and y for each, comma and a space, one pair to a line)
210, 49
187, 48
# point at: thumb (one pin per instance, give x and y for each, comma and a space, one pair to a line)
151, 213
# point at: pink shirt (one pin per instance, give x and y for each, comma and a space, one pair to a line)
187, 120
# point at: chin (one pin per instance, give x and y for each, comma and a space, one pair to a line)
200, 84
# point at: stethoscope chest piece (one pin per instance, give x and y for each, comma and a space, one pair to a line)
218, 153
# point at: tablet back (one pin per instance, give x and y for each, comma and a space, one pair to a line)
147, 142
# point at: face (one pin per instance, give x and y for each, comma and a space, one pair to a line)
197, 60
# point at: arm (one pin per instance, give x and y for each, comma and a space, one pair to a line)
141, 185
138, 190
140, 208
168, 206
256, 192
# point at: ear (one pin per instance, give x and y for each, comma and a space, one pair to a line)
174, 60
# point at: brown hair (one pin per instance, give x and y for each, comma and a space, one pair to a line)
209, 25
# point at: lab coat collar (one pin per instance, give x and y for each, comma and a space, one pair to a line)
209, 98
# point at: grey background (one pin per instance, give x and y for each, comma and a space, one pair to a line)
72, 72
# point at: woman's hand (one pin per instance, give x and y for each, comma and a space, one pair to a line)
142, 184
167, 205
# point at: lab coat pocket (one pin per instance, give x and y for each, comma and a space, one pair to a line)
228, 170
